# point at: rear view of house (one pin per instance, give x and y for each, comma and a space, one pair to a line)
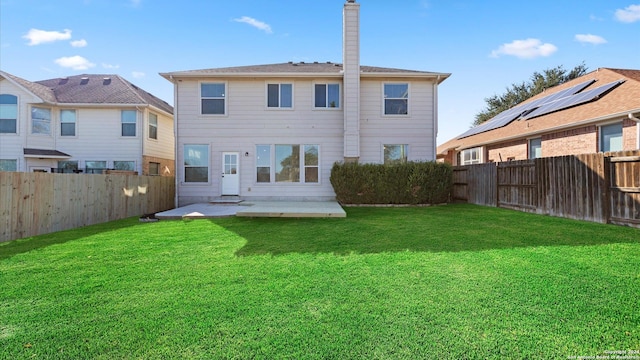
274, 131
597, 112
83, 124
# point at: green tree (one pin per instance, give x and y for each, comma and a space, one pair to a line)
518, 93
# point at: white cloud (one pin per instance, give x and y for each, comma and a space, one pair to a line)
137, 74
37, 37
79, 43
591, 39
255, 23
109, 66
75, 62
525, 49
629, 14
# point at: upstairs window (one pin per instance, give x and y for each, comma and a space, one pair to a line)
395, 154
40, 121
67, 123
153, 126
128, 119
327, 96
212, 98
611, 137
396, 99
8, 114
280, 95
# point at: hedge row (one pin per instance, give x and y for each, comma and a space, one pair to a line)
408, 183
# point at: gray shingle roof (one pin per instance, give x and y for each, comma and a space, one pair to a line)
90, 89
293, 68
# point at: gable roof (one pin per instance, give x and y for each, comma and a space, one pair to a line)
90, 89
617, 102
295, 69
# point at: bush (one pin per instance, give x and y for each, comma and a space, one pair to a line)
408, 183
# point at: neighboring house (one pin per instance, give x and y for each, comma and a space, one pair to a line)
275, 131
596, 112
84, 123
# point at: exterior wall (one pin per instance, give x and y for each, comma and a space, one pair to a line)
164, 145
415, 129
248, 123
630, 131
569, 142
513, 150
167, 166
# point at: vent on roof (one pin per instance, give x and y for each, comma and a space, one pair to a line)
290, 62
315, 62
84, 81
63, 81
106, 81
301, 62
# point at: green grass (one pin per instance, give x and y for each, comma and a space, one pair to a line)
445, 282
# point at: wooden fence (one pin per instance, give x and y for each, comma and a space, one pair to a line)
39, 203
595, 187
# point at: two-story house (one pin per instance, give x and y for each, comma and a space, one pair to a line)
274, 131
84, 124
596, 112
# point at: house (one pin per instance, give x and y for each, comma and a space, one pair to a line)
83, 123
274, 131
597, 112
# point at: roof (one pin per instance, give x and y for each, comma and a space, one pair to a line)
618, 102
90, 89
302, 69
29, 152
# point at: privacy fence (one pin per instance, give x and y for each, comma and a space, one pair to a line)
603, 187
39, 203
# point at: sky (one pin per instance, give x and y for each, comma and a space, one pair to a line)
486, 45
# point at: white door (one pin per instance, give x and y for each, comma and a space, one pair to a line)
230, 173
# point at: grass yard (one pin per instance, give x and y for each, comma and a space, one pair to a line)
445, 282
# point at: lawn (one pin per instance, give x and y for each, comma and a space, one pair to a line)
445, 282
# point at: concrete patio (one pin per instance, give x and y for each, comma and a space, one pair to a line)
292, 209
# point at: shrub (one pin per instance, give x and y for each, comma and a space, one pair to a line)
408, 183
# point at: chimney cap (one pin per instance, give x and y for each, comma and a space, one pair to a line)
351, 1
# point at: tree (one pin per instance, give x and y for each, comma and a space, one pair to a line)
518, 93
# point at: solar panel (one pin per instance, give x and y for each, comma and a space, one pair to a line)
506, 117
577, 99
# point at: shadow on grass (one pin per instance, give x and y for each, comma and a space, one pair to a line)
19, 246
449, 228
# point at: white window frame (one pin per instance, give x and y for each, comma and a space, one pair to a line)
384, 99
153, 123
17, 115
326, 96
123, 123
601, 138
471, 160
75, 123
224, 97
207, 165
279, 107
48, 133
530, 148
302, 165
405, 150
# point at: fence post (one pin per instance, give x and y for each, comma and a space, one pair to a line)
605, 198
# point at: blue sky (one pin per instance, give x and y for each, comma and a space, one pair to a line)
486, 45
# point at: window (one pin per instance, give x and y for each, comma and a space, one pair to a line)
67, 123
153, 126
535, 148
471, 156
288, 163
154, 168
280, 95
128, 119
8, 165
40, 121
327, 96
311, 163
396, 99
95, 167
124, 165
263, 163
8, 114
611, 137
68, 166
395, 154
196, 163
212, 97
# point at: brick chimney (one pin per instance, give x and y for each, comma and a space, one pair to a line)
351, 79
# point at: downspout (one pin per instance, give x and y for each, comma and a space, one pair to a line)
435, 117
638, 129
140, 131
175, 140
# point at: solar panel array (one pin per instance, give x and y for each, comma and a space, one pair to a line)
523, 110
574, 100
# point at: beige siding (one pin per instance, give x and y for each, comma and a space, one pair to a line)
164, 146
